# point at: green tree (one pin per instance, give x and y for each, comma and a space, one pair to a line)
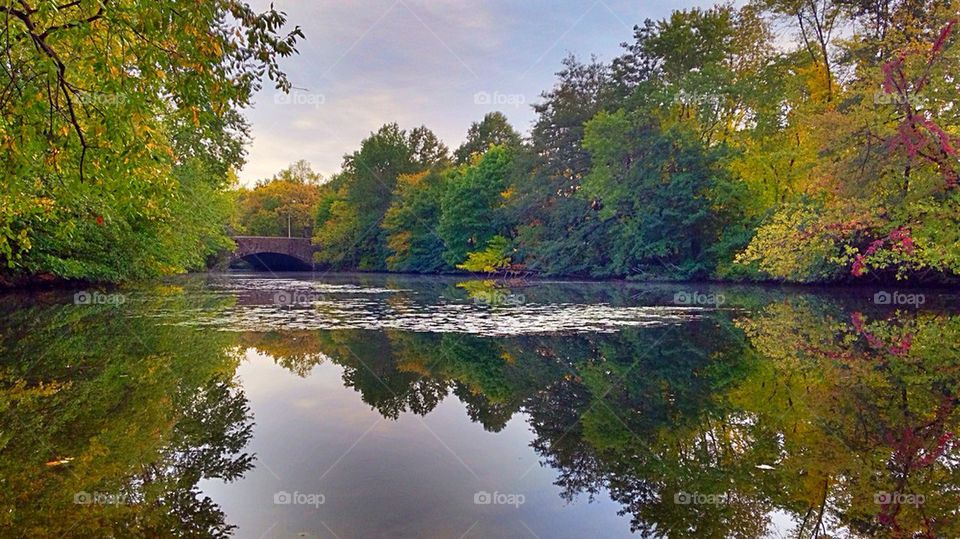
493, 130
120, 124
494, 257
351, 235
411, 223
655, 187
471, 207
556, 232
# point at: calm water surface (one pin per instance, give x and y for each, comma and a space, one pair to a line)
299, 405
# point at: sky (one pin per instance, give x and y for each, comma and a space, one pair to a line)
439, 63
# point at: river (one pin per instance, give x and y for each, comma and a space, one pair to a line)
322, 405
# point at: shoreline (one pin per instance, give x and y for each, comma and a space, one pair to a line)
52, 282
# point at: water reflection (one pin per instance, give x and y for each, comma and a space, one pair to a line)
110, 421
803, 414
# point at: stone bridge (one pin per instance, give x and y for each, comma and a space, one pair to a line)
271, 253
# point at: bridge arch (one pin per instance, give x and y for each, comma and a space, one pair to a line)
274, 254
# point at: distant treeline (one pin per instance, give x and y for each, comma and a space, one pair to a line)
706, 150
711, 148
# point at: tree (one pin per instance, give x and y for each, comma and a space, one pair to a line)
494, 257
493, 130
655, 186
351, 235
284, 204
120, 124
883, 197
428, 151
411, 223
471, 204
554, 230
816, 22
299, 172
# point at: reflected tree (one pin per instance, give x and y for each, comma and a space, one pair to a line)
110, 419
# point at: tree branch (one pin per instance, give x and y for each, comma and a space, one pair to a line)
39, 41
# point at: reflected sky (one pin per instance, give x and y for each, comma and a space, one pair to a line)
416, 477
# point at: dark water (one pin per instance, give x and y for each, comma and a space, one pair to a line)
383, 406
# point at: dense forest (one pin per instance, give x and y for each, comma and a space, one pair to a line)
793, 140
706, 150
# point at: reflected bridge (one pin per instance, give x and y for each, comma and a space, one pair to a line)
266, 253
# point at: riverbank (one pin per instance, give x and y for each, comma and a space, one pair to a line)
48, 281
